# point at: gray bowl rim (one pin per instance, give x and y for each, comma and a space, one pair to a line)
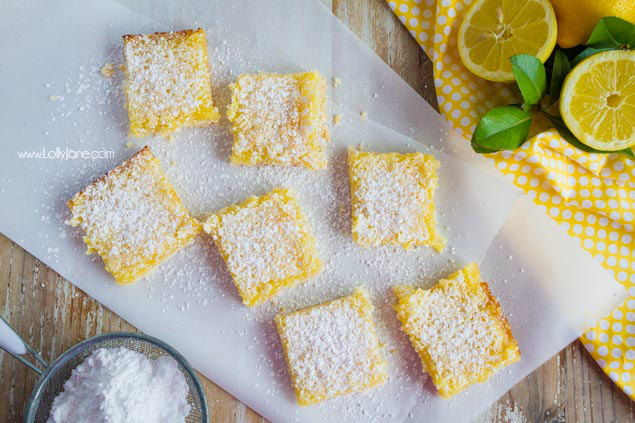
34, 400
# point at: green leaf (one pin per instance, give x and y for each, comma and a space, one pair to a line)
502, 128
561, 68
612, 32
589, 51
531, 78
481, 150
562, 129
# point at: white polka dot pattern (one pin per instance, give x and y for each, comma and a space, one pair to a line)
592, 196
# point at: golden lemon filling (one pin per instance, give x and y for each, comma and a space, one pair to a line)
458, 329
392, 199
168, 83
332, 349
133, 218
266, 244
279, 120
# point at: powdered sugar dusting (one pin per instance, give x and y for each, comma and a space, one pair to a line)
459, 330
332, 348
279, 119
168, 84
266, 244
132, 218
393, 198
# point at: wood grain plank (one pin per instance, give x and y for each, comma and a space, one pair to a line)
6, 248
375, 24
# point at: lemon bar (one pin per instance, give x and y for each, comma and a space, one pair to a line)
458, 329
392, 199
332, 349
168, 84
133, 218
266, 244
279, 120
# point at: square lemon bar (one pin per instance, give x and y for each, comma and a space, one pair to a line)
279, 120
266, 244
133, 218
332, 349
458, 329
392, 199
168, 84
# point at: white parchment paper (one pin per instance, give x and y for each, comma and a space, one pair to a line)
53, 96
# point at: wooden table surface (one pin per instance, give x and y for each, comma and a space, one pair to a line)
52, 315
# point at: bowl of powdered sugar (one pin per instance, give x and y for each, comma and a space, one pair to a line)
118, 377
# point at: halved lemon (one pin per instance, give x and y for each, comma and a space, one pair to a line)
597, 102
494, 30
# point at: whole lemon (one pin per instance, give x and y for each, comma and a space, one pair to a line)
577, 18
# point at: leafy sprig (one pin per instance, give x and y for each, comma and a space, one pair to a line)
507, 127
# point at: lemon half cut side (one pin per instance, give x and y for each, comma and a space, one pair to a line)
597, 102
494, 30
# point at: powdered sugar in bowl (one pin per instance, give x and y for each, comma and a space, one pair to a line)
119, 357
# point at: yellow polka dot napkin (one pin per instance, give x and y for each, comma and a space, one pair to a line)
592, 196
